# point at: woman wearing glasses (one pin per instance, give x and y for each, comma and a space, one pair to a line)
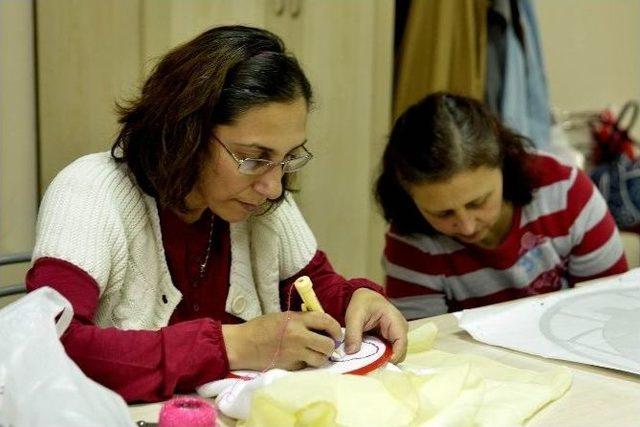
178, 248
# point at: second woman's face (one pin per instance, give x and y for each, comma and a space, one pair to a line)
274, 131
467, 207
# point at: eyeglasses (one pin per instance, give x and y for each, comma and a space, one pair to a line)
249, 166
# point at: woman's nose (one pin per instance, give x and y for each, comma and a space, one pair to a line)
269, 184
466, 224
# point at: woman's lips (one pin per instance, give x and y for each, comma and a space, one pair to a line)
471, 237
250, 207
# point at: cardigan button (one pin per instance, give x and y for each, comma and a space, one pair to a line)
239, 304
121, 312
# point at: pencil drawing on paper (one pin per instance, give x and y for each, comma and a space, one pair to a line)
368, 350
600, 325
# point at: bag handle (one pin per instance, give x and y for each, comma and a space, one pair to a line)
63, 322
632, 107
56, 305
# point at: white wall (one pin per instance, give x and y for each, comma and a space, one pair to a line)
592, 54
17, 133
592, 51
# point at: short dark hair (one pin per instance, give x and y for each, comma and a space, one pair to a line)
203, 83
441, 135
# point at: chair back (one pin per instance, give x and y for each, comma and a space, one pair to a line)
9, 259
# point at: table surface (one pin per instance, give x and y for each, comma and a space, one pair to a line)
598, 396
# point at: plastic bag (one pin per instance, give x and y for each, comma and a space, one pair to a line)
39, 384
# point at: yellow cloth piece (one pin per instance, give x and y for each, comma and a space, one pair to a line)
355, 400
422, 338
508, 396
433, 388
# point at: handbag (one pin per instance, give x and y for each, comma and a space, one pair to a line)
616, 170
611, 138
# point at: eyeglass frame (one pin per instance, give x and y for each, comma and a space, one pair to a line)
269, 164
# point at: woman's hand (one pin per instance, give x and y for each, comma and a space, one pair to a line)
369, 310
254, 344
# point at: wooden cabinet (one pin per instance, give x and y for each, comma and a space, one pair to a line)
17, 138
94, 51
88, 56
346, 50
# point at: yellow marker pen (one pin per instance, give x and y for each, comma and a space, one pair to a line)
309, 299
310, 302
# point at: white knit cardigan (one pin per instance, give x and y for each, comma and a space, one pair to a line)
96, 217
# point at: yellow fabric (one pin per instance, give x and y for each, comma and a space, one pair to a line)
422, 338
433, 388
443, 48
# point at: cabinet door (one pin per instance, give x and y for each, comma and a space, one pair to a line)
88, 56
168, 23
17, 138
346, 50
92, 53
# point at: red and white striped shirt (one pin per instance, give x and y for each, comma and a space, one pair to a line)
563, 236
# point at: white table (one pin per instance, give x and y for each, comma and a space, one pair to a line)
598, 397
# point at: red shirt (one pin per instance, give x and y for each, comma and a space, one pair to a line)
190, 351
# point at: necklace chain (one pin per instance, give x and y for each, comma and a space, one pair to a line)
205, 261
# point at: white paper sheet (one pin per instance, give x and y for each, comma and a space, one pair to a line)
597, 324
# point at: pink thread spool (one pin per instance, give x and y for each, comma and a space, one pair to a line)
187, 411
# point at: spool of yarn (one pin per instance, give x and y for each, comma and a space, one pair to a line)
187, 411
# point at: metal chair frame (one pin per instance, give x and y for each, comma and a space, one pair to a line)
8, 259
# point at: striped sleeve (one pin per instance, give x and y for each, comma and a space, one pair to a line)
411, 284
597, 249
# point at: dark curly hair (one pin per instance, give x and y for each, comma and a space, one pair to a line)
203, 83
436, 138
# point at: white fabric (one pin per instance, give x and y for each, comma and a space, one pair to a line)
95, 216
